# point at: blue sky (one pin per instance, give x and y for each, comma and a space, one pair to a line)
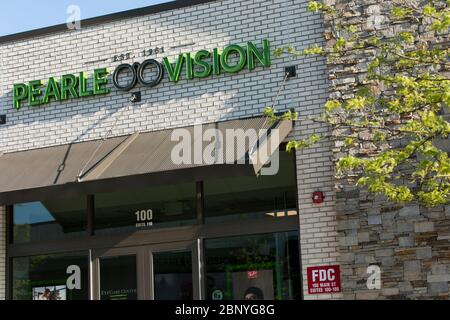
23, 15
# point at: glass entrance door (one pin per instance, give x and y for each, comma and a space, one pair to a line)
118, 274
118, 279
172, 275
159, 272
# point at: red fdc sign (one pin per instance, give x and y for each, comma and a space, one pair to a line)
324, 279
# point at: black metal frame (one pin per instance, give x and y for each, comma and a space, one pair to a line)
302, 296
76, 189
147, 240
144, 265
8, 240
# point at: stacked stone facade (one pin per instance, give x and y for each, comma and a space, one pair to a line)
410, 244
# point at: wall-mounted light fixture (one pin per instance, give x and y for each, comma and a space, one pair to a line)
135, 97
290, 71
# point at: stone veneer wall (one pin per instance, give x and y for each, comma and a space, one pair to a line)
411, 244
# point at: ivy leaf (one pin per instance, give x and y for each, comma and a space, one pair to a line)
388, 123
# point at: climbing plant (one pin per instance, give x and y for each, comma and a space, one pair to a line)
390, 126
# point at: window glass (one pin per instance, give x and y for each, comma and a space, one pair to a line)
127, 211
257, 267
51, 277
49, 220
252, 197
118, 278
173, 275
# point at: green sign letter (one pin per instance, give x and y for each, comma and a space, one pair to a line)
52, 90
216, 62
20, 92
174, 74
263, 57
189, 67
207, 69
82, 88
225, 55
100, 80
68, 86
34, 93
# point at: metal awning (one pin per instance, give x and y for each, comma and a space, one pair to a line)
137, 157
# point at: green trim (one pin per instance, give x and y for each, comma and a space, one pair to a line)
229, 269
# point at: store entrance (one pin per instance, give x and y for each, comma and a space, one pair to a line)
158, 272
228, 238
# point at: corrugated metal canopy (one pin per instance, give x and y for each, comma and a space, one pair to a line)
50, 166
136, 154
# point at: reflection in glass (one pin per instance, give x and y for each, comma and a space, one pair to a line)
128, 211
173, 275
49, 220
51, 277
118, 278
257, 267
253, 197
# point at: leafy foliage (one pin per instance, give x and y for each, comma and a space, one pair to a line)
394, 119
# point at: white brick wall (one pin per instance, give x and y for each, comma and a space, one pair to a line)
318, 225
216, 24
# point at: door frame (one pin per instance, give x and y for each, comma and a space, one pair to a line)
144, 266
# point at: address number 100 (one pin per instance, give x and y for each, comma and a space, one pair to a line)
144, 215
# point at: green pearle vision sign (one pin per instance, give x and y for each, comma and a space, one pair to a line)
201, 64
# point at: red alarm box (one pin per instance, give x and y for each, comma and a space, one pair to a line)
318, 197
